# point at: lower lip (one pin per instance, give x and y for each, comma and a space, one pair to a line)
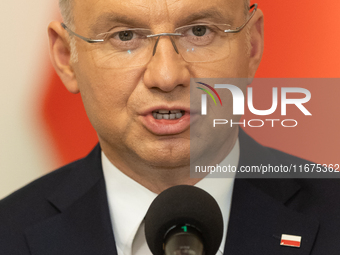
166, 127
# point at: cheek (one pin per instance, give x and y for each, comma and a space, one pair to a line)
106, 95
235, 66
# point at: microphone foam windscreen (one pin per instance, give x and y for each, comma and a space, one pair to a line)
181, 205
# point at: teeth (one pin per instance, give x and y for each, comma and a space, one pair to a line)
166, 114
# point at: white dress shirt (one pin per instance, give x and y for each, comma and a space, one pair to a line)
129, 201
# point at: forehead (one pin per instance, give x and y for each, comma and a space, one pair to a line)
149, 12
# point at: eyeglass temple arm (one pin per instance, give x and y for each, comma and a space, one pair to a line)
81, 37
241, 27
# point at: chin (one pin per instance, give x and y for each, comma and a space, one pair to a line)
168, 158
168, 164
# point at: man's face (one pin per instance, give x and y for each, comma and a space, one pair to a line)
120, 102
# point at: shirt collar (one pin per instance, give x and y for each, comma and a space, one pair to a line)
129, 201
221, 189
128, 204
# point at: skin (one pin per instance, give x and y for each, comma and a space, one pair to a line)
115, 98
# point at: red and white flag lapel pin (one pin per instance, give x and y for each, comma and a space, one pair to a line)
289, 240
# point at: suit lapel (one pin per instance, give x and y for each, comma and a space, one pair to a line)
258, 214
257, 221
83, 226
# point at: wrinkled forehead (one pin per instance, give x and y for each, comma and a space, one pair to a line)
148, 13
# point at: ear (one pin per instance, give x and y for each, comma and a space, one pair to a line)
256, 42
61, 56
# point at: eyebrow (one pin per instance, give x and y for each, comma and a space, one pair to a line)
107, 19
211, 14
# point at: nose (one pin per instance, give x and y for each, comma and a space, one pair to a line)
166, 70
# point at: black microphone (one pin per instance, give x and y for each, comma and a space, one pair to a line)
184, 220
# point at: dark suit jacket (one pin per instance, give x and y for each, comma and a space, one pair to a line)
66, 212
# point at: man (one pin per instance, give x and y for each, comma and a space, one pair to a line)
135, 89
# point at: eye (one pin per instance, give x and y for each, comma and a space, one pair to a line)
199, 30
125, 35
125, 39
197, 34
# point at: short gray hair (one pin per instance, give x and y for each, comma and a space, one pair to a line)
66, 7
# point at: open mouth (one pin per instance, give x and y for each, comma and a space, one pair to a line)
166, 121
168, 115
